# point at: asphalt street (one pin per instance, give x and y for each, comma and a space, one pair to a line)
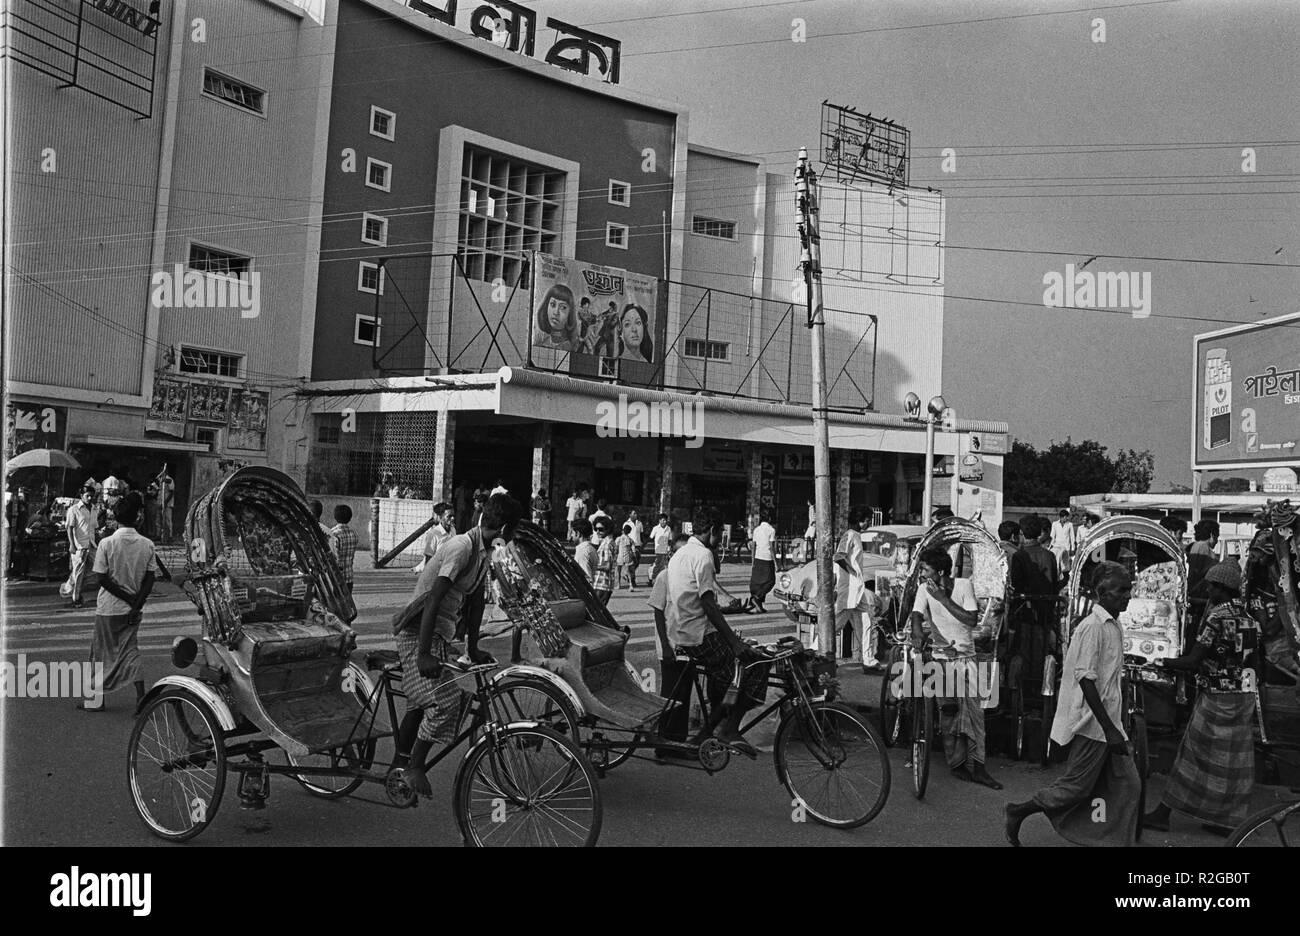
65, 770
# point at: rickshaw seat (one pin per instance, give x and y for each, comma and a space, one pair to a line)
291, 641
599, 644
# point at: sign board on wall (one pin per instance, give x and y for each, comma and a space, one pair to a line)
585, 308
988, 443
1246, 396
35, 426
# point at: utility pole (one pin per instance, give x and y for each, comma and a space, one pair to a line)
810, 260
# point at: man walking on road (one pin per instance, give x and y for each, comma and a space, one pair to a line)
1095, 802
81, 542
762, 573
1063, 538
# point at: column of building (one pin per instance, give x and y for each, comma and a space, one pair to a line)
444, 455
542, 465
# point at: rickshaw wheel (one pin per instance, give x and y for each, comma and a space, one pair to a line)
527, 786
176, 765
324, 785
1278, 826
1141, 760
833, 762
922, 739
534, 700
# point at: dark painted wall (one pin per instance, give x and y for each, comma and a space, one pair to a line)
431, 83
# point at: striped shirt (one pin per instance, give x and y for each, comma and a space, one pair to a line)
343, 544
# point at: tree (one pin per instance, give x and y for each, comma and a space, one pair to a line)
1133, 472
1052, 476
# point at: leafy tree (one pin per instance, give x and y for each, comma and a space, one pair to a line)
1053, 475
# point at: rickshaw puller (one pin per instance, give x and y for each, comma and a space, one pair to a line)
451, 583
701, 630
951, 608
1095, 802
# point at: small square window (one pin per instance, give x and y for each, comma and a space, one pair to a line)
379, 175
370, 278
374, 229
616, 235
366, 331
383, 123
620, 193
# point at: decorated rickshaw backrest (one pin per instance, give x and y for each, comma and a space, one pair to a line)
258, 554
988, 576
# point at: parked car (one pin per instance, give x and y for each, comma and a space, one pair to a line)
887, 550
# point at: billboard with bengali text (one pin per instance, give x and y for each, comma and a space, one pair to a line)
1246, 396
603, 311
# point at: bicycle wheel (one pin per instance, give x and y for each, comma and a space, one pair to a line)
891, 726
533, 700
833, 762
527, 786
356, 756
1278, 826
176, 765
1137, 733
922, 739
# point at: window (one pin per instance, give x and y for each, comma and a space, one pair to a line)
366, 332
712, 227
329, 435
620, 193
215, 363
708, 350
374, 229
616, 235
216, 85
370, 278
507, 208
383, 123
220, 262
206, 436
379, 174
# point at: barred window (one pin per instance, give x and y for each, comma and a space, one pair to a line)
507, 208
220, 262
713, 227
233, 92
374, 229
216, 363
711, 350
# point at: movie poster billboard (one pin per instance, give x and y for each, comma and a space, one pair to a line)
584, 308
1246, 396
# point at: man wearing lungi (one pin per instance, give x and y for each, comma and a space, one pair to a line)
1095, 802
1214, 772
451, 585
127, 566
762, 573
949, 608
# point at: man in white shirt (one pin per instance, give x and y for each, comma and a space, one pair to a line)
80, 522
702, 632
762, 573
949, 607
576, 506
127, 567
598, 512
1063, 538
441, 531
499, 489
1089, 715
662, 535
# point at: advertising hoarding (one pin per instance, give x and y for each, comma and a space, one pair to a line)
1246, 396
584, 308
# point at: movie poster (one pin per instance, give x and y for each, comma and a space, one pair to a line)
588, 309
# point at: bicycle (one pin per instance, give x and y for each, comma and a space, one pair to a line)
1275, 827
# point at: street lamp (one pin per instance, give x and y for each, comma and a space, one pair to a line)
937, 411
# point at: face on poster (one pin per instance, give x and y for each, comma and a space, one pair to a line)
590, 309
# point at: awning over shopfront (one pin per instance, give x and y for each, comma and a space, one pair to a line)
532, 394
168, 445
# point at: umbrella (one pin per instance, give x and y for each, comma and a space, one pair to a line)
42, 458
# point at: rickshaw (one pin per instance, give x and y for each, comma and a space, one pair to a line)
981, 559
825, 754
1155, 622
277, 692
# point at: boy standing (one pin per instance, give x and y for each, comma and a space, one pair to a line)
1095, 802
663, 539
343, 543
81, 542
127, 567
623, 558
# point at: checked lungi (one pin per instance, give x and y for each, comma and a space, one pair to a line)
1214, 772
440, 698
1095, 802
762, 578
715, 658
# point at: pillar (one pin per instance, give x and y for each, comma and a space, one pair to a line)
542, 468
444, 455
753, 495
666, 478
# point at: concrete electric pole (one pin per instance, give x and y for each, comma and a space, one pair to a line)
810, 260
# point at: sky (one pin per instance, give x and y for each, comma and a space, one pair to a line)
1067, 148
